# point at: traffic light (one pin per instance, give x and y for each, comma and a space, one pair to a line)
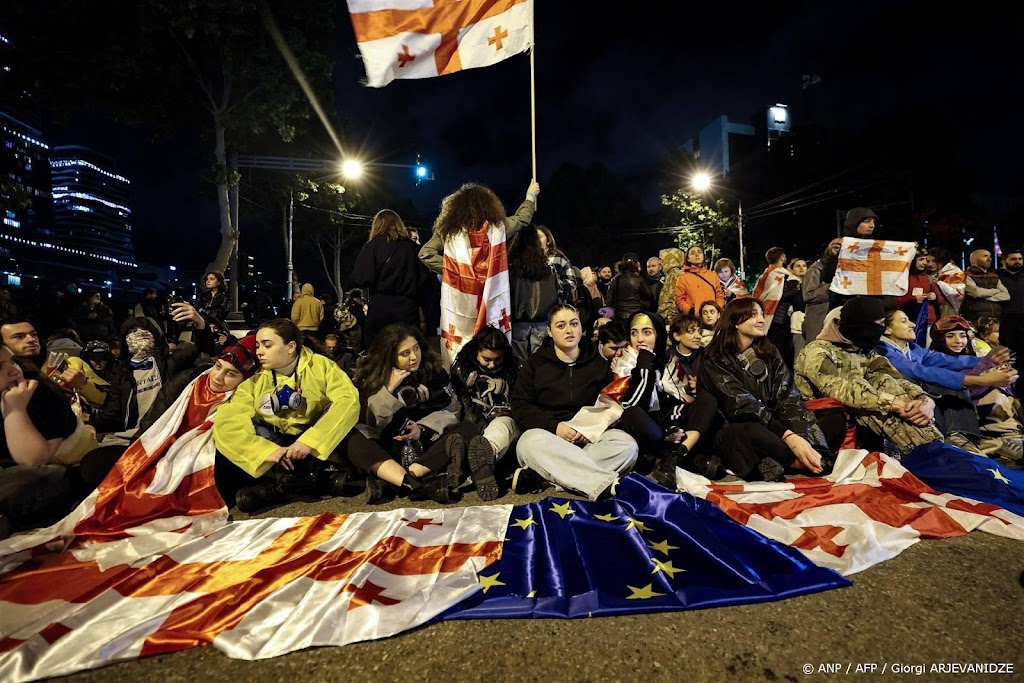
422, 171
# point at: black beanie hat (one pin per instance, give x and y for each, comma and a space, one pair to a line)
861, 309
855, 216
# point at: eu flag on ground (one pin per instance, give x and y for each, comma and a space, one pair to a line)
648, 549
952, 470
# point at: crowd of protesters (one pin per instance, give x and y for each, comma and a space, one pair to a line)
346, 398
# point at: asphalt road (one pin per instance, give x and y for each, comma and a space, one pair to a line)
939, 603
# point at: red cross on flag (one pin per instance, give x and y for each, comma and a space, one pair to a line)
873, 267
769, 289
870, 509
427, 38
474, 288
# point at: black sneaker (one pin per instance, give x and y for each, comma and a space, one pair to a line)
709, 466
260, 496
481, 468
526, 480
771, 470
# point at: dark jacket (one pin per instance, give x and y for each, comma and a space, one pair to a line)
776, 403
533, 299
974, 309
629, 294
390, 269
439, 397
480, 391
214, 304
1014, 283
120, 410
549, 390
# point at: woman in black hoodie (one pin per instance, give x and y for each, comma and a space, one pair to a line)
566, 374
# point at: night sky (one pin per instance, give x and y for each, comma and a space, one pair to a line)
622, 88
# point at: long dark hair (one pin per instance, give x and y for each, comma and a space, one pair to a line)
389, 225
526, 259
374, 367
488, 339
221, 282
552, 246
726, 339
466, 209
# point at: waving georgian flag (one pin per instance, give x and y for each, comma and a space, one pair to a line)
952, 282
870, 509
474, 288
769, 289
873, 267
427, 38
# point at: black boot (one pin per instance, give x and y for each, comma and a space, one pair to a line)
435, 487
260, 496
378, 490
664, 471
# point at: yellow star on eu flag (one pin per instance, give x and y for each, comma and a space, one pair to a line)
662, 547
606, 518
490, 581
524, 524
666, 567
643, 593
562, 510
637, 524
998, 476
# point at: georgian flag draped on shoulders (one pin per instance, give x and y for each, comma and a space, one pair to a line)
870, 509
873, 267
474, 288
427, 38
769, 289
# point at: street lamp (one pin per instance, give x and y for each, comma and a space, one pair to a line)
702, 182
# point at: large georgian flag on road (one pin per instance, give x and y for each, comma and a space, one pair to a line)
150, 564
870, 509
426, 38
474, 288
873, 267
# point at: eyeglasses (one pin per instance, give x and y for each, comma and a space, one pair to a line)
952, 322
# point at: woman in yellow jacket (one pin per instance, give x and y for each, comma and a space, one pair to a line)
288, 428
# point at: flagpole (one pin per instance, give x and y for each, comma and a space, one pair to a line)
533, 97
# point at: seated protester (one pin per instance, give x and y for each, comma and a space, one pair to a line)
336, 350
234, 364
709, 314
408, 397
599, 322
586, 298
72, 374
137, 380
483, 376
39, 436
767, 428
100, 358
660, 408
947, 378
987, 336
842, 364
612, 338
288, 430
566, 374
990, 381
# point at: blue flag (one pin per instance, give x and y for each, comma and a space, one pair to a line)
921, 325
952, 470
648, 549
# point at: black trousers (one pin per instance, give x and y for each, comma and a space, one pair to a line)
650, 433
434, 458
741, 445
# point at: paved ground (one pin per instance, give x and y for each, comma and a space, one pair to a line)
940, 602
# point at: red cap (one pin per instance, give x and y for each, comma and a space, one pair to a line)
242, 354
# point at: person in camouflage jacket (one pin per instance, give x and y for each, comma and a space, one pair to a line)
841, 364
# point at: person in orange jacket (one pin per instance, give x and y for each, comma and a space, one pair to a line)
696, 284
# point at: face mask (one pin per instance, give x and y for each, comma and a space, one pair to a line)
862, 335
141, 344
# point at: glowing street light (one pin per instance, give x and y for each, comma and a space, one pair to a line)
350, 168
701, 182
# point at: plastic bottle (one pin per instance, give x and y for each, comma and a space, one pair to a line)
411, 452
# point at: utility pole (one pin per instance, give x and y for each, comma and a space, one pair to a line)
291, 216
233, 210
